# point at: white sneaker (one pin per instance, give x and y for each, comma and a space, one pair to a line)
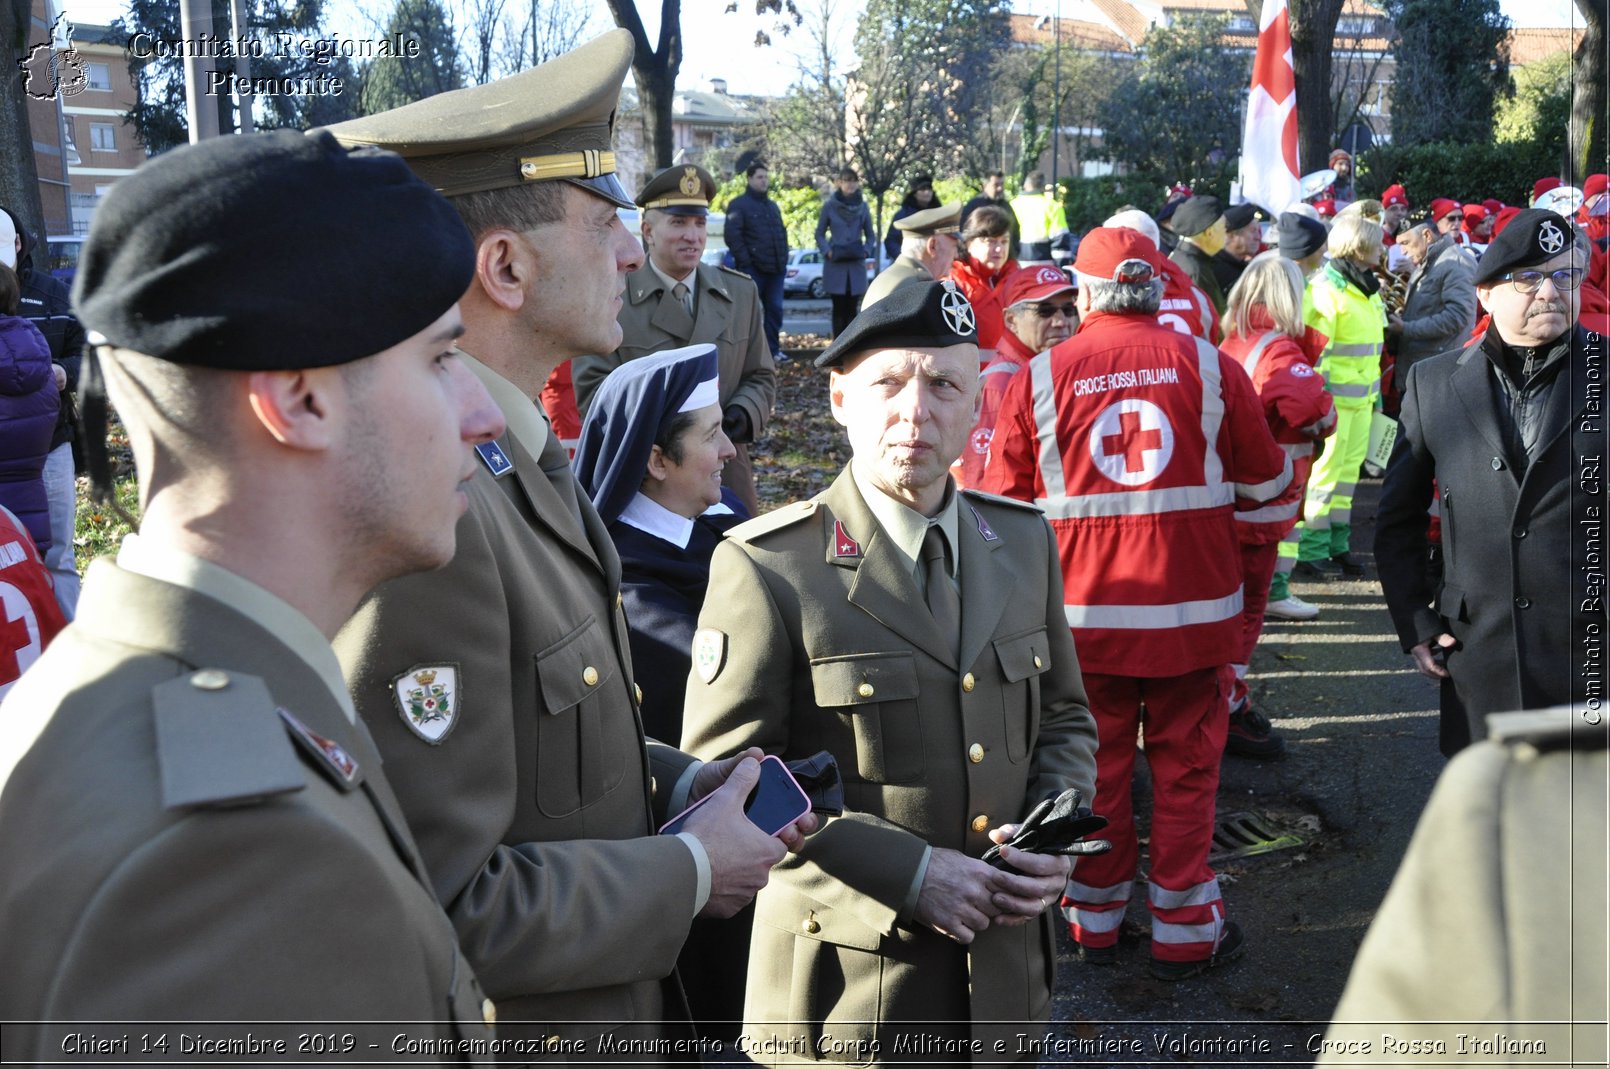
1291, 607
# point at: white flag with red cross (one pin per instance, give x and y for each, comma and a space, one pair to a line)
1269, 175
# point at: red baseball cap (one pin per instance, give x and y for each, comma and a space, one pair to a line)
1394, 195
1474, 213
1493, 205
1034, 284
1596, 184
1118, 254
1543, 185
1505, 214
1442, 207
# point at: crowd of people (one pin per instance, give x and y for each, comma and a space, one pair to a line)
452, 587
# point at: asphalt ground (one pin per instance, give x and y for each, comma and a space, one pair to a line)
1361, 756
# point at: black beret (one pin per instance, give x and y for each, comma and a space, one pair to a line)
1197, 214
1299, 236
1533, 236
1239, 215
272, 251
916, 315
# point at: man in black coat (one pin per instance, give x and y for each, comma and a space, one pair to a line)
1509, 434
45, 303
758, 240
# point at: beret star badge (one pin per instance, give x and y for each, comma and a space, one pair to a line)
1549, 238
957, 311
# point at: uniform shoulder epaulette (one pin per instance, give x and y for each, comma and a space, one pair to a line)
997, 499
220, 741
774, 520
1548, 729
734, 271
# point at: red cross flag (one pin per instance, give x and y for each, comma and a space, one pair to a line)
1269, 176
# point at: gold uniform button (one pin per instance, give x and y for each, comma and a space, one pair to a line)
589, 676
981, 823
620, 600
811, 926
865, 690
975, 753
489, 1012
968, 682
1037, 662
210, 679
639, 689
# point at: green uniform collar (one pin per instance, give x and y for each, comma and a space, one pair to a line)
268, 611
905, 526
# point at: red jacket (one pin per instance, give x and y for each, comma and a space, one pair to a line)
29, 615
983, 291
558, 399
1138, 476
1185, 308
1011, 356
1298, 410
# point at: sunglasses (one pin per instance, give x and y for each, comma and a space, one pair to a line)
1565, 279
1045, 310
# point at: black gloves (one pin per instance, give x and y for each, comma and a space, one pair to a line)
735, 421
1055, 826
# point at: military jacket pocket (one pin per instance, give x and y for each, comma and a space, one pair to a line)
1024, 657
876, 694
579, 757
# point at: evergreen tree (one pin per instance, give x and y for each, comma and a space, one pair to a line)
392, 81
1176, 113
158, 116
1452, 65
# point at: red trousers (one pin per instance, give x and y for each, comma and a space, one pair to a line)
1185, 719
1257, 569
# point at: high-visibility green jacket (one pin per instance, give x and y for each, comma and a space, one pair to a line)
1355, 323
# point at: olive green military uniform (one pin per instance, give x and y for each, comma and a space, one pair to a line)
532, 805
727, 312
1496, 923
500, 688
905, 271
815, 636
201, 831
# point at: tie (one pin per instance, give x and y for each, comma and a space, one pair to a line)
681, 292
943, 601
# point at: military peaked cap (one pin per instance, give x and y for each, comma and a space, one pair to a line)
552, 122
681, 190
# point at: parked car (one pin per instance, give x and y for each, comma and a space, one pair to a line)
804, 273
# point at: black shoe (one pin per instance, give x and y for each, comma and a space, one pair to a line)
1252, 736
1351, 568
1095, 955
1231, 946
1317, 569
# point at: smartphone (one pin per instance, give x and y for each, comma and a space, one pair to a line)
775, 803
